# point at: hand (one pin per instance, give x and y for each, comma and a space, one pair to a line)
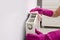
37, 9
43, 11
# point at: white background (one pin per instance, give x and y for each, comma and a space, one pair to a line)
12, 16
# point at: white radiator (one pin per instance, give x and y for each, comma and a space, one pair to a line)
50, 21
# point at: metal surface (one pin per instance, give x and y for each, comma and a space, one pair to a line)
39, 3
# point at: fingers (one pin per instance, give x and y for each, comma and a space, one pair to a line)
39, 10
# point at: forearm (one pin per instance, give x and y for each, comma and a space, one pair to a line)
57, 12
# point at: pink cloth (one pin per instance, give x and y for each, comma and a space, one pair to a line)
43, 11
54, 35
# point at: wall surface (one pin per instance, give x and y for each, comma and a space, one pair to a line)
31, 4
12, 16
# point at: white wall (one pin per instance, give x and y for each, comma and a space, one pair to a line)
12, 16
31, 4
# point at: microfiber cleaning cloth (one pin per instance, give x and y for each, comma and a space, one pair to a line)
54, 35
37, 36
43, 11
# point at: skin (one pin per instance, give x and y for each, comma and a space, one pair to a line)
57, 12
